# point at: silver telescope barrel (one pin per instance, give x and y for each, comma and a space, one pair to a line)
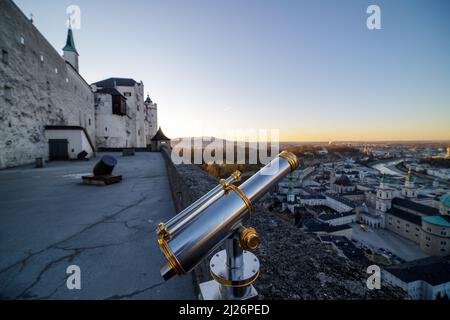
173, 226
220, 218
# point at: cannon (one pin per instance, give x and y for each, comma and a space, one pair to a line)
217, 219
103, 172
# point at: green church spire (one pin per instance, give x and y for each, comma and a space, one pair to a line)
70, 43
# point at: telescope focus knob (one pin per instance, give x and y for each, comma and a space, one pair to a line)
249, 239
162, 231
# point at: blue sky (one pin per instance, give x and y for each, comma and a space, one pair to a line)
309, 68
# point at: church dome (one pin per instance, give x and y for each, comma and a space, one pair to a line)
409, 176
343, 180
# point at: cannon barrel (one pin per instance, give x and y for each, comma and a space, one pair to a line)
105, 166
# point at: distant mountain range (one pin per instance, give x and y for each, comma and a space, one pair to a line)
283, 144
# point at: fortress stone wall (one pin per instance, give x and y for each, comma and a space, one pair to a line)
37, 88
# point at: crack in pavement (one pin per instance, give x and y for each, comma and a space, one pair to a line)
81, 249
136, 292
77, 250
71, 256
53, 246
54, 291
137, 228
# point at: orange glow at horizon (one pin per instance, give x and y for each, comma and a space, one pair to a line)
310, 133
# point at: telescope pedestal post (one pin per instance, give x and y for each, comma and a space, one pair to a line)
234, 271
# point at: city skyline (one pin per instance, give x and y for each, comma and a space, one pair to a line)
316, 74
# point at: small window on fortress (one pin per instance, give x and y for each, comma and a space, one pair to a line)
56, 70
42, 58
89, 121
106, 129
127, 94
48, 85
22, 40
5, 56
8, 92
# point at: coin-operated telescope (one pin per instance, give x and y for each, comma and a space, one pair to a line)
218, 218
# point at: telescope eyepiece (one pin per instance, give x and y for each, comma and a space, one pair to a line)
167, 271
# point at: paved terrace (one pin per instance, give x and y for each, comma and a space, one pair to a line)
386, 239
49, 220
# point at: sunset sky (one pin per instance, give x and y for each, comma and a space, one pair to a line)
311, 69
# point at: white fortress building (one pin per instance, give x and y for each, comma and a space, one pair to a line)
124, 118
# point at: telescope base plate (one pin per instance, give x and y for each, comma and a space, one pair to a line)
234, 277
212, 290
231, 283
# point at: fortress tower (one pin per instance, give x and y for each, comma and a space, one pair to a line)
70, 52
409, 189
384, 196
151, 118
